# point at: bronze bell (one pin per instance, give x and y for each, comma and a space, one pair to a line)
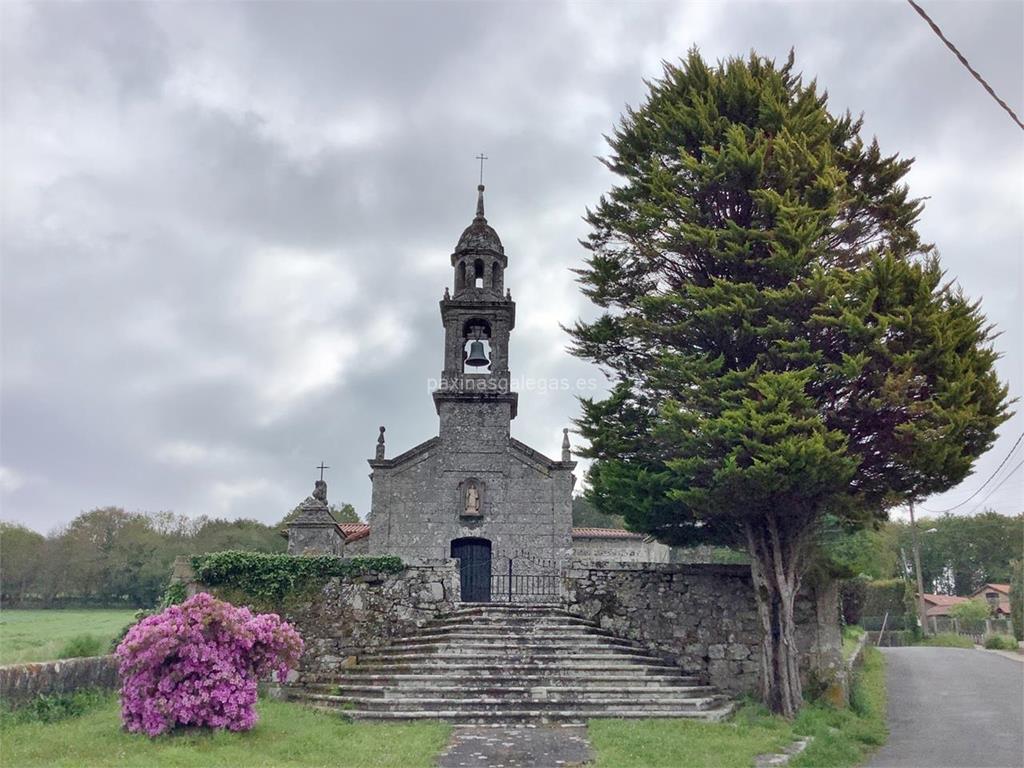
477, 356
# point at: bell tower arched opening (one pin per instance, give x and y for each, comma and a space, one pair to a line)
477, 352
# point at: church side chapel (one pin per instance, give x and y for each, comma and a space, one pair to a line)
473, 492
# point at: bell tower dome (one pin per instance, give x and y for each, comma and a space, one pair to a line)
478, 317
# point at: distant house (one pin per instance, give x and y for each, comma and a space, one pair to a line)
997, 596
939, 605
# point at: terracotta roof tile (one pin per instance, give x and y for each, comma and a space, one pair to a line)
354, 531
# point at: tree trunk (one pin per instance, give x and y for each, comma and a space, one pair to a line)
775, 569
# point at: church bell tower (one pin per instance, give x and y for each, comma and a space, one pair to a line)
478, 316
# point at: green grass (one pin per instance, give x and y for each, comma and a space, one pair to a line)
845, 737
41, 635
842, 737
286, 735
851, 637
948, 640
673, 743
1001, 643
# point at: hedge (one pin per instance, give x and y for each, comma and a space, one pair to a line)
892, 596
271, 577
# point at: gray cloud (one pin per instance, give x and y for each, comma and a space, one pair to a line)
226, 227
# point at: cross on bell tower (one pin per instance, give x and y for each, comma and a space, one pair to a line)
478, 316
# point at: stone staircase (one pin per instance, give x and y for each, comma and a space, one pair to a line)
490, 662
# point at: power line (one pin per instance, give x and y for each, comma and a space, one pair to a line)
982, 486
963, 60
1011, 473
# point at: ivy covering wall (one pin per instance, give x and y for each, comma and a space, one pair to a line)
272, 577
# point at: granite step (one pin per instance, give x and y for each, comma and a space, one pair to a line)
530, 715
494, 704
496, 690
360, 677
457, 654
493, 663
567, 620
505, 638
515, 668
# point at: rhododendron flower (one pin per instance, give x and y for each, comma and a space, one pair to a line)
198, 663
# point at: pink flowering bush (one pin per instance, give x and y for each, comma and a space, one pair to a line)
197, 664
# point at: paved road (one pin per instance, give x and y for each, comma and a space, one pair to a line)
953, 708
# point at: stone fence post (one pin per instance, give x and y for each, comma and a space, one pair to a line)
182, 572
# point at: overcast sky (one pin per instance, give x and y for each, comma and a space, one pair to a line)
226, 226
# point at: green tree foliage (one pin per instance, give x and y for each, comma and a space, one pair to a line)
960, 554
586, 515
250, 535
21, 553
783, 344
1017, 599
108, 556
971, 610
866, 552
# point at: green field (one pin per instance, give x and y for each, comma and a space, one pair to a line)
286, 735
40, 635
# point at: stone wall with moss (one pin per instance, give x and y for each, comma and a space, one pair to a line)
20, 683
704, 618
344, 617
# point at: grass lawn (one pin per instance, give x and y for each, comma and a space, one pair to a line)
948, 640
286, 735
674, 743
842, 738
40, 635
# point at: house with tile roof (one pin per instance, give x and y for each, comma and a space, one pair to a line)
997, 596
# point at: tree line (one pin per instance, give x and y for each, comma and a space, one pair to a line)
111, 557
958, 554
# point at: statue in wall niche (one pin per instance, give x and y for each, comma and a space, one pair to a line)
472, 501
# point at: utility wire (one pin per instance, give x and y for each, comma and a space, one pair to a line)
982, 486
1012, 471
965, 62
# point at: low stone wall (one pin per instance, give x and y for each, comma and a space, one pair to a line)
704, 618
352, 616
22, 682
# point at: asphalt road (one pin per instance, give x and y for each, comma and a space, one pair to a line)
953, 708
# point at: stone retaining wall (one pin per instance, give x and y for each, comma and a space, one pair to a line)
704, 618
22, 682
351, 616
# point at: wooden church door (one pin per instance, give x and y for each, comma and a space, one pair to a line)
474, 556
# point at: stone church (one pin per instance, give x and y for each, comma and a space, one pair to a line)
473, 492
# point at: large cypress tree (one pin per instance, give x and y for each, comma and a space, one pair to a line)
783, 344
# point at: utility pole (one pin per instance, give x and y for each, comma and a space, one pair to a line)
922, 614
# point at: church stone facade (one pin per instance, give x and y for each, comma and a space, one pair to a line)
474, 492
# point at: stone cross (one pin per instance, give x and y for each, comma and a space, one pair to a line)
481, 157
